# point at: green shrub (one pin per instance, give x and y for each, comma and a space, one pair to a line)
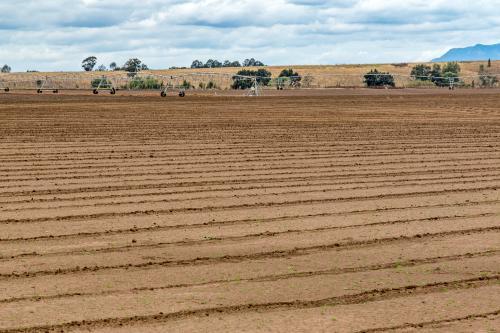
186, 85
211, 85
97, 82
144, 83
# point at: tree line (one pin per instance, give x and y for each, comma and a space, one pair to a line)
243, 79
211, 63
132, 65
440, 76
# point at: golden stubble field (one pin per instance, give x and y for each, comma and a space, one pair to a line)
340, 212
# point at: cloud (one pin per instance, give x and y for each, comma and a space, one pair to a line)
57, 34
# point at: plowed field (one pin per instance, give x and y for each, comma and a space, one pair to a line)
367, 212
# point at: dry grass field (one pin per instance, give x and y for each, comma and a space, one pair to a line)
367, 211
328, 76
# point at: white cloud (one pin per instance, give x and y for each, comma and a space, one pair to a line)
57, 34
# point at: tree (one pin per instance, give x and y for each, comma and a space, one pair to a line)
102, 68
132, 66
294, 77
450, 73
228, 63
113, 66
252, 63
197, 64
211, 63
374, 78
244, 79
451, 67
144, 67
442, 77
6, 69
436, 74
89, 63
421, 72
489, 62
486, 79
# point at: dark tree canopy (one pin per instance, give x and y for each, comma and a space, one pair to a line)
421, 72
212, 63
6, 69
452, 67
197, 64
252, 63
374, 78
134, 65
89, 63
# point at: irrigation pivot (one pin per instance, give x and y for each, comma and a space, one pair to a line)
104, 84
45, 85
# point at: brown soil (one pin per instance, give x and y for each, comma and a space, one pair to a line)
334, 211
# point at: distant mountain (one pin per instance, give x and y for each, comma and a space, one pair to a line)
478, 52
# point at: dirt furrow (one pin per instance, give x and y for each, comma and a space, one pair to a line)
251, 295
159, 189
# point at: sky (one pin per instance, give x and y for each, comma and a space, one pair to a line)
57, 35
